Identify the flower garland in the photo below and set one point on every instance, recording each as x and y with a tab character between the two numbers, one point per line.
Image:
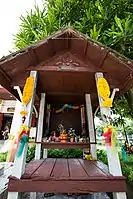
27	95
104	92
28	90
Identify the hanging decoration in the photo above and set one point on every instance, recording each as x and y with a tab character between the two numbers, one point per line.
28	90
104	92
110	136
15	144
22	139
128	148
66	107
124	154
27	95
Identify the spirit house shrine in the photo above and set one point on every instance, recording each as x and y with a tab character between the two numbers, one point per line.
65	78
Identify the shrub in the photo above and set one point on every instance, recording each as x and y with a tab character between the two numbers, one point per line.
65	153
3	157
101	154
127	167
30	153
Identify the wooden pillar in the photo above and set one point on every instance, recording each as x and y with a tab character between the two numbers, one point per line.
45	151
1	120
82	111
113	159
47	120
91	125
19	163
82	114
40	127
33	195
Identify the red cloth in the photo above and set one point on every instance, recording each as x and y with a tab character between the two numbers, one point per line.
108	135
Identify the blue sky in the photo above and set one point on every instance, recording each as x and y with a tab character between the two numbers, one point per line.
10	11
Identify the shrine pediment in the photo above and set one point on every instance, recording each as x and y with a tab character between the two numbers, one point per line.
66	62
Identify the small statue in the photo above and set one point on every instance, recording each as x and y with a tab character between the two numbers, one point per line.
60	128
53	136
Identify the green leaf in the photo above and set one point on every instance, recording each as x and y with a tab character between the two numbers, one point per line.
118	22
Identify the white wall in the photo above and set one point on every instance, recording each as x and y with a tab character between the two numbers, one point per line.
7	104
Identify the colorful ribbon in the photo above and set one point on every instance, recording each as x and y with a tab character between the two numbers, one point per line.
15	144
66	107
110	137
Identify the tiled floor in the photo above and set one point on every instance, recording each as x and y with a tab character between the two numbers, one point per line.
41	196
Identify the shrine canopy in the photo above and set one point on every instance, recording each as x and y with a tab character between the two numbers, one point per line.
66	63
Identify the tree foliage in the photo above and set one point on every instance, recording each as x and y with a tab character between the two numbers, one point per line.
108	21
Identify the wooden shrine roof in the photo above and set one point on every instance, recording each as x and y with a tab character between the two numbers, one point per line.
66	62
5	95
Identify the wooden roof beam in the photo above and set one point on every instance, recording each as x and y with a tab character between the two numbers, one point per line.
104	58
32	56
64	68
68	41
5	81
85	48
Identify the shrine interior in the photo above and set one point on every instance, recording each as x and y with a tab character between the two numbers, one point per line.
62	111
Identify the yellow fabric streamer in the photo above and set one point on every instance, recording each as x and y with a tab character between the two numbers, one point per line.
114	139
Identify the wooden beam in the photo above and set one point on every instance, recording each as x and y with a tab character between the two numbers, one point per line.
66	145
68	41
90	121
85	48
32	56
40	127
65	68
93	184
4	81
65	94
104	57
